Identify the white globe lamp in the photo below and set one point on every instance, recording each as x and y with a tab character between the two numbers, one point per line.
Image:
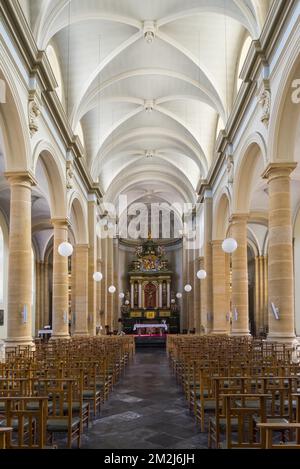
127	302
201	275
188	288
229	245
97	276
121	296
112	289
179	296
65	249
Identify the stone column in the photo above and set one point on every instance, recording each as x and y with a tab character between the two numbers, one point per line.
220	297
280	256
60	303
160	295
46	294
202	313
206	299
99	299
240	299
92	287
20	279
117	301
110	280
168	294
81	290
132	294
140	294
104	283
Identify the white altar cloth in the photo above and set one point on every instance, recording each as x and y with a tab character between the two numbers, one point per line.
150	326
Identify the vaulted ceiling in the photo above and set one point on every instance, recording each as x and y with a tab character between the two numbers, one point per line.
147	83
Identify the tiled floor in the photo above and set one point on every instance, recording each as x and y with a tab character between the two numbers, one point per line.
146	410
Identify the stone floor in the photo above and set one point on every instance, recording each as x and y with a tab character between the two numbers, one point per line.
146	410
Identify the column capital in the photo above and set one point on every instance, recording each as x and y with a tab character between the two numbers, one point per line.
282	169
239	217
61	222
21	177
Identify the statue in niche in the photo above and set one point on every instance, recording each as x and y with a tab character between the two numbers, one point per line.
230	169
264	100
34	112
70	175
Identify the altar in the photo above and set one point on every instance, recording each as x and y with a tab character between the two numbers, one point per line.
150	329
150	306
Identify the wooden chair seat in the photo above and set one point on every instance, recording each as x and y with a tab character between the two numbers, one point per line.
76	406
277	420
57	425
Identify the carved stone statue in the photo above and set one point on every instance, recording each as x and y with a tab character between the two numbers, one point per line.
34	112
70	175
230	169
264	100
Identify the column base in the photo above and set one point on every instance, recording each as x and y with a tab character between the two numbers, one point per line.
60	336
282	338
219	332
81	334
19	342
240	333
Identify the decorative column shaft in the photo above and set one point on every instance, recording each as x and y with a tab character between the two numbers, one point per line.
92	287
220	297
81	290
110	279
207	283
60	303
280	256
202	311
132	294
20	279
160	295
240	298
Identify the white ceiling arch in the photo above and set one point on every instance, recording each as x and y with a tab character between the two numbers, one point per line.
120	59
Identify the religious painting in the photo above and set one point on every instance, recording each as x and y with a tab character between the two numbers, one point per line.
150	296
1	317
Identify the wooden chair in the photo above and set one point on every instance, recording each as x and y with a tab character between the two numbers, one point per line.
5	435
268	429
28	422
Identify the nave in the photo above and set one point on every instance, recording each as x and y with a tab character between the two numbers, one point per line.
146	410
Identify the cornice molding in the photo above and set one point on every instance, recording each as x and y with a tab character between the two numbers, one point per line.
38	65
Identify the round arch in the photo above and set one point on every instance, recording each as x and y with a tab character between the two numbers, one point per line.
55	177
14	131
250	164
78	217
221	216
285	112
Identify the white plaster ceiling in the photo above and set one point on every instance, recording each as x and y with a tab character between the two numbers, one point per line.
110	72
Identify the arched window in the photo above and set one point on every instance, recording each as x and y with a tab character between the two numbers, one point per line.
52	57
244	52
